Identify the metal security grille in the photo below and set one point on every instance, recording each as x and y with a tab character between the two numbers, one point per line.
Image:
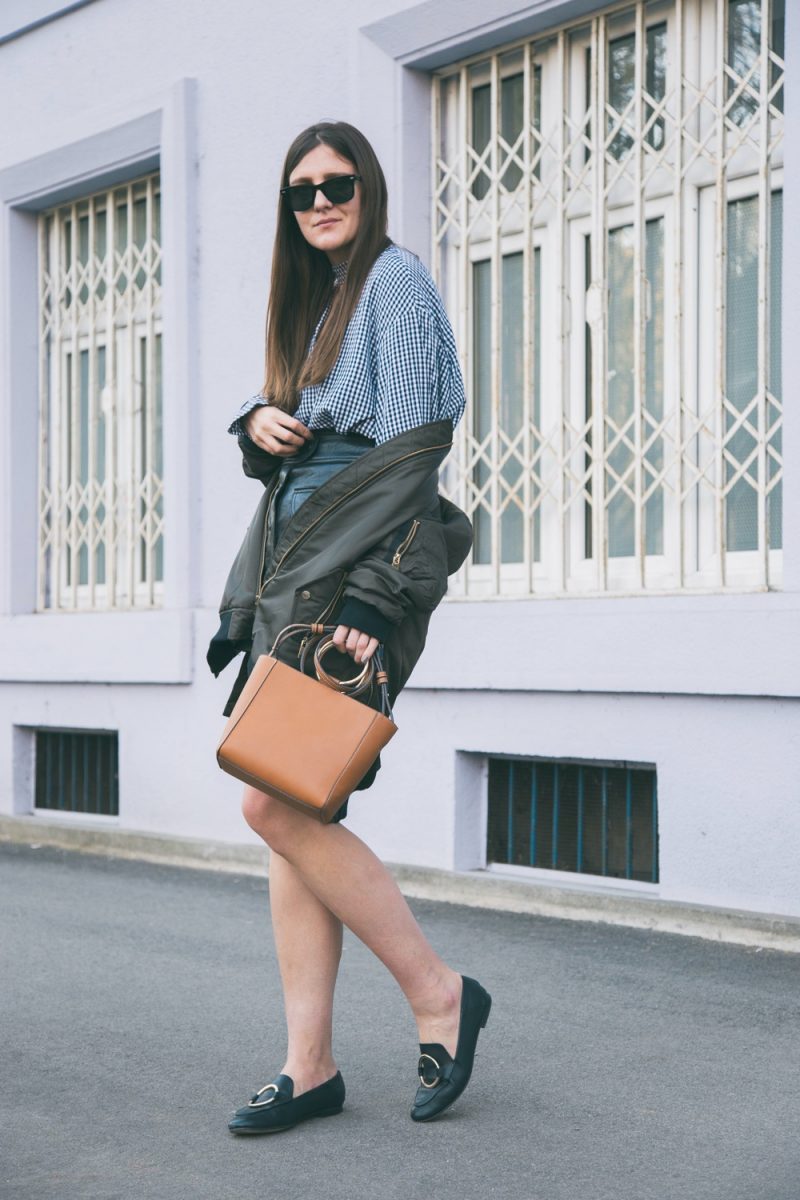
607	236
77	772
101	460
587	818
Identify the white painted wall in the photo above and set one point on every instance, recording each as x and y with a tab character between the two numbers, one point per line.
705	687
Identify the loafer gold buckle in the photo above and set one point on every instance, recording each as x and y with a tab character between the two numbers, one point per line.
256	1103
422	1078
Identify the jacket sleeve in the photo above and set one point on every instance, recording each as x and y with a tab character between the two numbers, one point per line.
258	463
407	570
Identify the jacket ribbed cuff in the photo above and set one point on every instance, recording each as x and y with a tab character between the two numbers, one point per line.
364	617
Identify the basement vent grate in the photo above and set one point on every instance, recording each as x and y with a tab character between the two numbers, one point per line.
77	771
566	816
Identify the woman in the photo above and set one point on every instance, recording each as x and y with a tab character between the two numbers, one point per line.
361	395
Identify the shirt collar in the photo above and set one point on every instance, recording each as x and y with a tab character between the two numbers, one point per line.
339	272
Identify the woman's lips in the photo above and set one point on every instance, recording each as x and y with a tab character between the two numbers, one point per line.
332	221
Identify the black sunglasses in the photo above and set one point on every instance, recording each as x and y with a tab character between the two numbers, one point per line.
300	196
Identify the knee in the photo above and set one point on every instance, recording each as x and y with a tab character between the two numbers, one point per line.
270	818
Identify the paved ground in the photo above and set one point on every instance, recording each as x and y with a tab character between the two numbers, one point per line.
141	1004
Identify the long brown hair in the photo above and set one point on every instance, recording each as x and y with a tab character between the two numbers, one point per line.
302	279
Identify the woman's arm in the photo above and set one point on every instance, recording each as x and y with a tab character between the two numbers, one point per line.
237	426
276	431
268	436
418	378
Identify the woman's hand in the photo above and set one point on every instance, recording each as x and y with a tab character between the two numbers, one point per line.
360	646
275	430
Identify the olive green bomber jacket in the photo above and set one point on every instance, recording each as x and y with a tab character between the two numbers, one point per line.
373	545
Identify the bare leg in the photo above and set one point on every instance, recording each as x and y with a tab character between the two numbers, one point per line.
308	940
354	885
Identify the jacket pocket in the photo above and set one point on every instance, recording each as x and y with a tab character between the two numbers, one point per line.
421	558
404	542
317	601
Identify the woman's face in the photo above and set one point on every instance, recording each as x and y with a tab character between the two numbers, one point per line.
328	227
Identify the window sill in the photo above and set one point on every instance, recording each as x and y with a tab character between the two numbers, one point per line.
578	881
735	645
97	647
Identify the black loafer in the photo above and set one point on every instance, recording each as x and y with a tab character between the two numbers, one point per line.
274	1109
442	1079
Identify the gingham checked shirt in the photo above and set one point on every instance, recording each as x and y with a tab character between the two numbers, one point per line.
397	367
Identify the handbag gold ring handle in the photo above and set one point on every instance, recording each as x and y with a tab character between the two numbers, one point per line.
354	686
365	679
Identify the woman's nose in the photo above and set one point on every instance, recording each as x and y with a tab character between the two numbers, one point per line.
321	200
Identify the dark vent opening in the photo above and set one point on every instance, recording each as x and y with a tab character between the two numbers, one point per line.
77	771
564	816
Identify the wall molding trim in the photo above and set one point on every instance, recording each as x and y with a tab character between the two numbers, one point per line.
434	33
23	16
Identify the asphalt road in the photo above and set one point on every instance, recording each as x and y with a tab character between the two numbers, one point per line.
141	1004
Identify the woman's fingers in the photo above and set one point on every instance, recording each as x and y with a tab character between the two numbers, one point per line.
371	647
289	428
340	637
274	446
276	431
360	646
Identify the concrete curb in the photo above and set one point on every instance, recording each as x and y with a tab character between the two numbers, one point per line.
474	889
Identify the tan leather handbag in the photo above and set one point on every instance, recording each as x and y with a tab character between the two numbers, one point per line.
305	740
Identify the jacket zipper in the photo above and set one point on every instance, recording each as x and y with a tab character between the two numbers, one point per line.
406	542
264	543
340	501
323	616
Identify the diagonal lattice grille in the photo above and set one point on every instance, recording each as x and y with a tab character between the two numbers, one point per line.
101	507
607	217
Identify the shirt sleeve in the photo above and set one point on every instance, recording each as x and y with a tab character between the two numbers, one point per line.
418	378
236	427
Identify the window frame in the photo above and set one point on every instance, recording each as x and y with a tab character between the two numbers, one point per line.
121	402
128	645
645	575
740	565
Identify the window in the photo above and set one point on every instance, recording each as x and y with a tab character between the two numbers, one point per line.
622	90
77	771
565	816
607	234
101	511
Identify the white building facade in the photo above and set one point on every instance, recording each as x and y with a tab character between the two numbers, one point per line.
609	199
